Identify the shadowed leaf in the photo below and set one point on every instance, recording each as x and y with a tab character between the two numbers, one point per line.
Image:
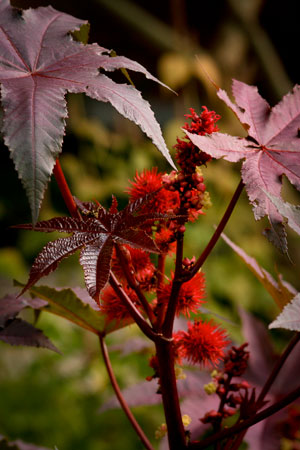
19	332
290	212
76	306
10	306
281	291
145	393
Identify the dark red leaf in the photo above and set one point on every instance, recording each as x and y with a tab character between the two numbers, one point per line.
95	260
10	306
95	235
39	64
53	253
19	332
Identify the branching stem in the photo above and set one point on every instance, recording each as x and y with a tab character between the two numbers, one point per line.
243	425
134	312
283	357
133	283
198	264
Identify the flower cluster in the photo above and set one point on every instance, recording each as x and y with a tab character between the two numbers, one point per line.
150	182
188	182
188	155
190	296
233	394
113	307
203	343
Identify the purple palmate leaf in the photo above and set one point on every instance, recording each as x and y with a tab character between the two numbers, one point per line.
94	234
10	306
271	150
39	64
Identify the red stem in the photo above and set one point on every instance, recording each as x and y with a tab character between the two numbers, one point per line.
283	357
71	205
120	397
276	369
65	191
168	387
161	307
198	264
134	312
164	352
167	327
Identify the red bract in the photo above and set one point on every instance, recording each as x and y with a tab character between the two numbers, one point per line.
190	295
203	343
148	182
113	307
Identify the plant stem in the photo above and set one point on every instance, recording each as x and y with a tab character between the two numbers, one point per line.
176	433
161	306
283	357
71	205
198	264
243	425
276	369
133	283
120	397
65	191
167	327
134	312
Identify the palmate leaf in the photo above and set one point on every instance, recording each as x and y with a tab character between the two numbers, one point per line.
281	291
20	332
272	149
39	63
290	212
10	306
15	331
76	306
95	236
289	318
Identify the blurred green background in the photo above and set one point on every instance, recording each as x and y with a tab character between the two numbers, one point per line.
51	399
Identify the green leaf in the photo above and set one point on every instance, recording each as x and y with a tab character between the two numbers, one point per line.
77	307
281	291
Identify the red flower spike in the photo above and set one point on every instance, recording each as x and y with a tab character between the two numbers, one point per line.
113	307
148	182
203	343
165	240
188	155
190	295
